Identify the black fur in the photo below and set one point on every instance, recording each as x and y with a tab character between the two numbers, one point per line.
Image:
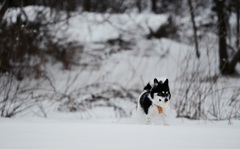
147	87
158	87
145	102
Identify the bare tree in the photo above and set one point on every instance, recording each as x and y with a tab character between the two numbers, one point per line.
20	40
202	96
194	27
226	66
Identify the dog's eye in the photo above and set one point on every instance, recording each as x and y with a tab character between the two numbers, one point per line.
160	100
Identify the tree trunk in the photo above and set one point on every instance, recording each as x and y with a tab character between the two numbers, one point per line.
87	5
222	34
194	27
154	6
226	66
237	4
139	5
233	63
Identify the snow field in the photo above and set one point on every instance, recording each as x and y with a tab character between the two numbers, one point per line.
46	134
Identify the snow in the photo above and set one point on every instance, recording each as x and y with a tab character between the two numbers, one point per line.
93	27
131	69
55	134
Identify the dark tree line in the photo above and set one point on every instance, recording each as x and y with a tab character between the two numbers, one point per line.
23	37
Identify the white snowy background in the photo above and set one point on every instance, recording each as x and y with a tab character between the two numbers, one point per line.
50	125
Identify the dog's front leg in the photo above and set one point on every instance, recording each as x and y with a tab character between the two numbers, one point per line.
165	120
151	115
148	120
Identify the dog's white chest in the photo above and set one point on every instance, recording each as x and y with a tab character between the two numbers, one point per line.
156	115
156	110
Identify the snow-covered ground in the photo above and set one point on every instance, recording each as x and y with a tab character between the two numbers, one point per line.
118	134
130	69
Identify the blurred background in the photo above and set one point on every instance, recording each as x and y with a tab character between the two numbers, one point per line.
93	57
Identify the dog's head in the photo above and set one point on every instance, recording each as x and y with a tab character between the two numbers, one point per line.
160	93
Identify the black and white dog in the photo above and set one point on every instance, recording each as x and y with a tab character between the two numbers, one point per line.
153	103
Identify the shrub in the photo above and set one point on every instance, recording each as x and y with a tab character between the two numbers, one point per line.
26	47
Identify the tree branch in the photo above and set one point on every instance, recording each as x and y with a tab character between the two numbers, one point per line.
194	27
4	8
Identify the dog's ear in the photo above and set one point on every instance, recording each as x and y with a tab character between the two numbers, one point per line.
166	82
155	82
147	87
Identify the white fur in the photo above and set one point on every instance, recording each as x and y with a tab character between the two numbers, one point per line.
161	103
153	116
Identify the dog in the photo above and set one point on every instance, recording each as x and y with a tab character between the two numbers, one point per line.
153	103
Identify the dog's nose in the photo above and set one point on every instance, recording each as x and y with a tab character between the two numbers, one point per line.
166	100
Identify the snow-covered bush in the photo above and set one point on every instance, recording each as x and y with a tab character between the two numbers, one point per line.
13	98
27	44
90	97
203	93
